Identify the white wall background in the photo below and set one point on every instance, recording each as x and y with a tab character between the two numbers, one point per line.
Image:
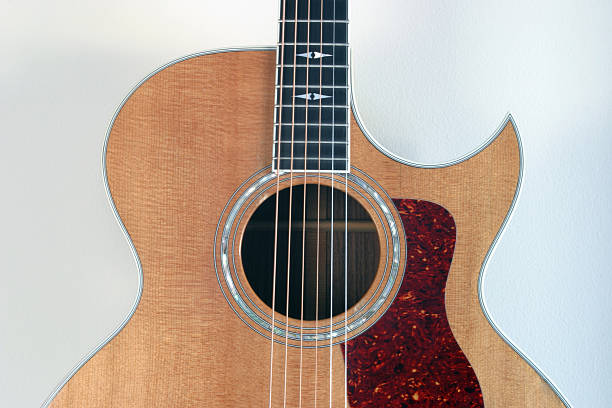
432	82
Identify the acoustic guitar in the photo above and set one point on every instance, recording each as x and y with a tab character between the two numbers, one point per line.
287	259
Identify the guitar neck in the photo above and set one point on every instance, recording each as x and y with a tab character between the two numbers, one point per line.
312	87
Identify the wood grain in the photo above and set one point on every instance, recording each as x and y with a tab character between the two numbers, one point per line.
180	146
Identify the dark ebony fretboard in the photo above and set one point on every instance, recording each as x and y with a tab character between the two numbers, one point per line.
312	87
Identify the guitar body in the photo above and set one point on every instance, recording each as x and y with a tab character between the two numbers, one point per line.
183	147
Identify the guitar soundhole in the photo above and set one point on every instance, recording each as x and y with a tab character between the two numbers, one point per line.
362	252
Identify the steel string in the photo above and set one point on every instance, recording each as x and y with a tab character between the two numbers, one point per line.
290	203
318	212
331	291
278	146
304	202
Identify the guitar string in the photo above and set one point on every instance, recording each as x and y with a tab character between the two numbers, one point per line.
346	283
295	24
318	213
331	279
304	202
346	351
277	151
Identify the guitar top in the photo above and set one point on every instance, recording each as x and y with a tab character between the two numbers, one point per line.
287	261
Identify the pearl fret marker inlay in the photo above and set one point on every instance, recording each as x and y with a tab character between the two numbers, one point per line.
313	96
313	55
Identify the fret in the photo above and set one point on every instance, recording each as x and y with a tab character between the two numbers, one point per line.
312	164
314	20
332	9
324	87
313	150
314	65
311	105
329	115
335	54
323	125
333	33
306	43
312	141
328	133
328	76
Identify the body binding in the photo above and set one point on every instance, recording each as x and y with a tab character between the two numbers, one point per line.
181	144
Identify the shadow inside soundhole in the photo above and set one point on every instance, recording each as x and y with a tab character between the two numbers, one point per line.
362	253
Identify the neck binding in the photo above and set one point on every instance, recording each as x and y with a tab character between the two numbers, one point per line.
312	87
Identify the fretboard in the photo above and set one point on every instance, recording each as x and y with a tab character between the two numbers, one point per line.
312	87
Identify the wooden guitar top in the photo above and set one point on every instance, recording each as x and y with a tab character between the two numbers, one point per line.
184	141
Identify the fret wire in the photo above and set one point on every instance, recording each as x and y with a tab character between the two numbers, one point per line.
312	169
315	45
313	68
315	86
311	141
301	158
313	124
315	21
325	43
310	66
311	107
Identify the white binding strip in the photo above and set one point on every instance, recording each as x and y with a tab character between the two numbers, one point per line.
378	146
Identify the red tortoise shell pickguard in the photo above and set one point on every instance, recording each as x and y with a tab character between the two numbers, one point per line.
409	358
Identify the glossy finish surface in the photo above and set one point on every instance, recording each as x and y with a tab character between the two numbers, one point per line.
173	141
410	355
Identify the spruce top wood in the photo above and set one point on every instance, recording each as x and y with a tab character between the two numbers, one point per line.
174	176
